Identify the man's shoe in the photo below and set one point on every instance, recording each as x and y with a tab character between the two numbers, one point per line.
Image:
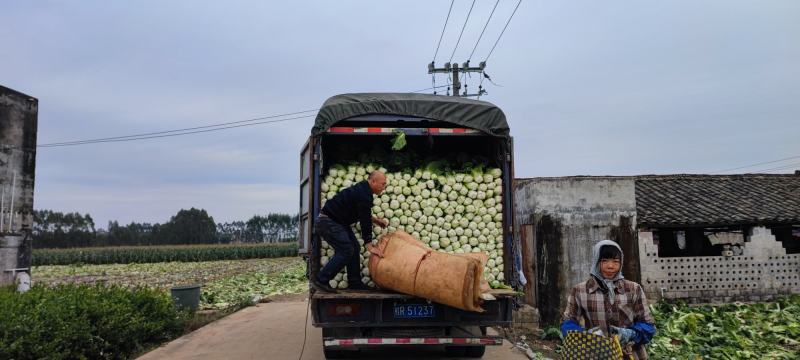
358	286
319	286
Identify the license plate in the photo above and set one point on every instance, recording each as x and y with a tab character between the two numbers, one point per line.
404	311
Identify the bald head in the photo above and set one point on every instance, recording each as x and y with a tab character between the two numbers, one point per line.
377	182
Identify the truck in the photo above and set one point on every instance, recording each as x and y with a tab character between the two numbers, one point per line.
350	125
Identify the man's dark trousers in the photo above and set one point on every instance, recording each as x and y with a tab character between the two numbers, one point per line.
346	251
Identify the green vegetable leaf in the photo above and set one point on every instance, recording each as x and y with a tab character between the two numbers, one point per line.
399	141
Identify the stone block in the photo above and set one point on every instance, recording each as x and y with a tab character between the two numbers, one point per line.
526	314
770	291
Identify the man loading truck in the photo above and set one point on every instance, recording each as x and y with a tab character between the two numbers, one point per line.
333	225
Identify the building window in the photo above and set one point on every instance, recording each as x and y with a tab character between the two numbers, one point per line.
681	242
789	236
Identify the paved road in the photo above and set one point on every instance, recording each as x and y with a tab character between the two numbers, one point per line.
274	331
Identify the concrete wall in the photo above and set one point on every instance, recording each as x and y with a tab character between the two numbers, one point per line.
763	271
569	215
18	125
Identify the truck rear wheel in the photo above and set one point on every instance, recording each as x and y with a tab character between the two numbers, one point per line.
454	351
474	351
335	354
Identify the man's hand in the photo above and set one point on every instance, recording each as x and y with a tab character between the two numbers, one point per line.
380	222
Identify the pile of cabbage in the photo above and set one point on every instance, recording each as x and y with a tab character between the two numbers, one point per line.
452	212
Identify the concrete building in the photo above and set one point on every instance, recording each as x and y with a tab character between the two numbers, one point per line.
702	238
18	123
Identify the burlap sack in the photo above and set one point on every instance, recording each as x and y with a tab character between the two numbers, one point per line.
404	264
483	258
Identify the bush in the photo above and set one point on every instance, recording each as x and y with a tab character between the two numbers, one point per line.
85	321
155	254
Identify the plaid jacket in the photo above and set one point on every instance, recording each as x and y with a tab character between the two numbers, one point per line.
588	303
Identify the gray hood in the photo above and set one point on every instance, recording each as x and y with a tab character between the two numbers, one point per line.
596	260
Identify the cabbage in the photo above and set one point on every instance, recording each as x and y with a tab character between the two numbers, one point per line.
451	211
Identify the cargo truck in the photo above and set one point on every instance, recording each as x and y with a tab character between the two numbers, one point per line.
437	126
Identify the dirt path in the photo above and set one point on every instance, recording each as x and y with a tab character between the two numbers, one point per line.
274	331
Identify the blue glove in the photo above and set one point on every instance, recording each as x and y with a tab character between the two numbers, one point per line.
569	325
625	335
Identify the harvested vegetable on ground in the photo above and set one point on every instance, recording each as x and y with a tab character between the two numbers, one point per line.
731	331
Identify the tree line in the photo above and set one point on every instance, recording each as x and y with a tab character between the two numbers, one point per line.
53	229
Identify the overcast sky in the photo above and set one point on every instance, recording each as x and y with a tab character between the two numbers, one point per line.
589	88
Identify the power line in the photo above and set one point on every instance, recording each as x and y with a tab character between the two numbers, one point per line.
504	30
197	129
430	88
462	31
484	29
121	139
756	164
782	167
142	135
443	28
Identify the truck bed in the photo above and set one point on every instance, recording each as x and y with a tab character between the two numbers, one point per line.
388	294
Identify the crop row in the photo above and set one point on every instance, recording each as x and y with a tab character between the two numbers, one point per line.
155	254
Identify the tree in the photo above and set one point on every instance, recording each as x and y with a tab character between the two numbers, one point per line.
193	226
56	229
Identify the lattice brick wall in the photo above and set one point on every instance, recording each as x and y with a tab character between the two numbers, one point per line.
762	272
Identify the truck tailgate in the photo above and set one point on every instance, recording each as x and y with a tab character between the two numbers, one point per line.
390	309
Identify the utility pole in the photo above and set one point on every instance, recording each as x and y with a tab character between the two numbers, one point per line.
456	80
455	70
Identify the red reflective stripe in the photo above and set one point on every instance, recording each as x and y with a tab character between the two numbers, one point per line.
450	131
339	129
409	341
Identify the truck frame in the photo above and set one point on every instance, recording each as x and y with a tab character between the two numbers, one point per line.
351	320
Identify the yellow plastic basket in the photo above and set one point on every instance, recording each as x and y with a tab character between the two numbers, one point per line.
584	345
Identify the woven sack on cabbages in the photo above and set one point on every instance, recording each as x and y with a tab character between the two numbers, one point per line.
584	345
404	264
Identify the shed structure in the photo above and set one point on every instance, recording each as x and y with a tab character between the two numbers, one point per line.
701	238
18	125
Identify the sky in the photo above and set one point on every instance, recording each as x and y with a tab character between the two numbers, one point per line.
588	87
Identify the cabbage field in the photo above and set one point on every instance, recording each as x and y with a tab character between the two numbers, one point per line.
452	211
225	283
729	331
161	253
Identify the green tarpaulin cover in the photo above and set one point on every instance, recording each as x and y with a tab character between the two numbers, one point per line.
475	114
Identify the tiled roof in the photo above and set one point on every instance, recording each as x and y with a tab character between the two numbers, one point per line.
704	200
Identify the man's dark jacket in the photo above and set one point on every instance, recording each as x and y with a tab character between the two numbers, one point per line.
351	205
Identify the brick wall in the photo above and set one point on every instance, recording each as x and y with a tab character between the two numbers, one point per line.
763	271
